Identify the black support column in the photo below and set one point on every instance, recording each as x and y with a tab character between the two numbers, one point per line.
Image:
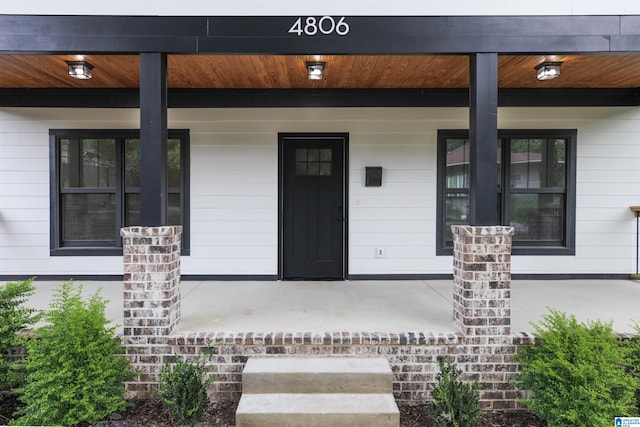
153	139
483	138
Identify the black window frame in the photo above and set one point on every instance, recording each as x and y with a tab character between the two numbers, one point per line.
101	248
567	245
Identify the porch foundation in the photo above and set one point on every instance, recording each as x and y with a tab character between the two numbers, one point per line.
151	257
480	342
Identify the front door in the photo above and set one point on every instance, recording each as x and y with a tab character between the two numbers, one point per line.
312	214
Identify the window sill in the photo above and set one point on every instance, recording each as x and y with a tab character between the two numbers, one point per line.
525	250
94	251
86	251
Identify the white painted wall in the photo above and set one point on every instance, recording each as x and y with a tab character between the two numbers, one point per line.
234	186
326	7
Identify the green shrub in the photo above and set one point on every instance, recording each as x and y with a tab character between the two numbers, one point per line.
576	373
632	346
455	403
15	319
183	388
75	370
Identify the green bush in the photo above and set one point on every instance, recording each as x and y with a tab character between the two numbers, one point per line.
75	370
576	373
632	346
15	319
455	403
183	388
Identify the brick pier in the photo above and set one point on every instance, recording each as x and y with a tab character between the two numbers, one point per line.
151	257
482	309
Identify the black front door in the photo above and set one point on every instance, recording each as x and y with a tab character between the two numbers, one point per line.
312	206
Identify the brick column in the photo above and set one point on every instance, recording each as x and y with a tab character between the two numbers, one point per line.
151	257
482	281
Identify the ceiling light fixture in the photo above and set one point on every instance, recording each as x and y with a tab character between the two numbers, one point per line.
315	70
80	69
548	70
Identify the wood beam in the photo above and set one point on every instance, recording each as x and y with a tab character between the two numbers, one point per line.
483	138
153	139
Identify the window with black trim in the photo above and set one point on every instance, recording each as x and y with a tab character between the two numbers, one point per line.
535	186
95	188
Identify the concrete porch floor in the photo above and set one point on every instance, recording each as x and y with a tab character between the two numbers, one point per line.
367	306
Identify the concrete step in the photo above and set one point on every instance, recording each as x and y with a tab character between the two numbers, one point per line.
317	410
317	375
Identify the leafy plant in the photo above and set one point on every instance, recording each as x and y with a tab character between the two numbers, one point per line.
183	388
75	370
455	403
576	373
16	319
632	347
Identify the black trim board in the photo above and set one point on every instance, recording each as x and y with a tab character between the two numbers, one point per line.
316	98
230	277
366	35
273	278
357	277
575	276
62	277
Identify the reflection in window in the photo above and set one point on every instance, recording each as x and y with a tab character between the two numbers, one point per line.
132	181
456	205
532	188
88	217
98	185
537	217
314	161
88	163
537	201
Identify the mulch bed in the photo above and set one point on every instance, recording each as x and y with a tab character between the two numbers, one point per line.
151	413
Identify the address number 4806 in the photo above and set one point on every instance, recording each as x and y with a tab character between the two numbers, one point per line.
311	26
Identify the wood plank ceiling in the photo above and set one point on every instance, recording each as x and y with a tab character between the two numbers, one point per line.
282	71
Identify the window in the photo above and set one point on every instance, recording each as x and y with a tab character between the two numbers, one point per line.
95	188
536	188
313	161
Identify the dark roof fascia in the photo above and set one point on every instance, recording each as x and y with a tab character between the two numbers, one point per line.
367	35
274	98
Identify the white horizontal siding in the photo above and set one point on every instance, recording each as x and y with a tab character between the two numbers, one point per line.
234	187
327	7
24	188
24	176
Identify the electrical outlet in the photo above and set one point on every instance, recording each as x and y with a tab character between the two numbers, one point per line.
379	252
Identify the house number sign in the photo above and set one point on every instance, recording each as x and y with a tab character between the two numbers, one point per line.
311	26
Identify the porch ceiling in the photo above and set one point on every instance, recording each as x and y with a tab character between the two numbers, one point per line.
288	71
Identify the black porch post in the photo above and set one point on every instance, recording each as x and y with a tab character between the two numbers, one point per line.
483	138
153	139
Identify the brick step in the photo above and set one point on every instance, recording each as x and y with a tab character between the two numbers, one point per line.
317	375
317	410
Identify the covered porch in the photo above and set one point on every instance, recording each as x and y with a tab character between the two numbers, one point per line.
366	306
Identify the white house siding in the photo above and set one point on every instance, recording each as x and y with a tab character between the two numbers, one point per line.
234	190
24	188
327	7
